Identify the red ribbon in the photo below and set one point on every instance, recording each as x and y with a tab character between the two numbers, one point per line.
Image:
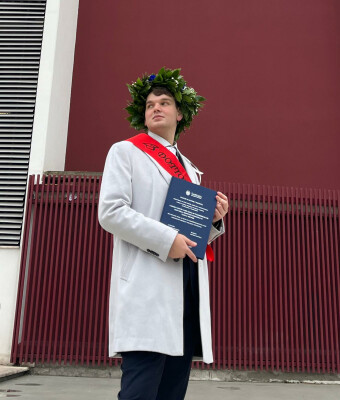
168	161
209	252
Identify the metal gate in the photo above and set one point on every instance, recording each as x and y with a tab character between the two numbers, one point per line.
274	284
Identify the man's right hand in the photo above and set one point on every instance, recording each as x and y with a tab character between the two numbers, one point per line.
180	248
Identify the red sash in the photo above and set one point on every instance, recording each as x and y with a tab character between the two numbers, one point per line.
168	161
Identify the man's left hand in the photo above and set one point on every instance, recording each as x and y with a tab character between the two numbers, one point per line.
222	206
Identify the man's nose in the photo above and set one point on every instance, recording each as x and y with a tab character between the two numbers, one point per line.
157	107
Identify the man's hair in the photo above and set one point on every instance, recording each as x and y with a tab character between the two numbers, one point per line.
159	90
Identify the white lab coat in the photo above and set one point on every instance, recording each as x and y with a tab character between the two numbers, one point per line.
146	295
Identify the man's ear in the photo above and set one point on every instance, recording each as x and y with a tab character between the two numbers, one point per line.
179	115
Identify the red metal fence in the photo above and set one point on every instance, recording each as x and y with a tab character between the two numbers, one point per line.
275	284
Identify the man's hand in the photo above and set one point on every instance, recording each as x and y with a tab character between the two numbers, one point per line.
180	248
222	206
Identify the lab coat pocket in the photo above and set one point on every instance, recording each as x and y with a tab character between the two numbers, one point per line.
128	261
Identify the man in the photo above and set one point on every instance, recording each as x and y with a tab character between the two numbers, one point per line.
159	298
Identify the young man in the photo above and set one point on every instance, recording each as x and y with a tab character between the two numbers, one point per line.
159	298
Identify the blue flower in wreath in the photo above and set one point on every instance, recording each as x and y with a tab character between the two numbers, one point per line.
152	77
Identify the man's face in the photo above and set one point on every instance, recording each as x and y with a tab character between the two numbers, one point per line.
161	114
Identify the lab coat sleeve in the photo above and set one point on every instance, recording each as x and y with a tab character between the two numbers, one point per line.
115	213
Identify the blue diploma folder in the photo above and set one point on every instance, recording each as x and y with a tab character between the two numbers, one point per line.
190	208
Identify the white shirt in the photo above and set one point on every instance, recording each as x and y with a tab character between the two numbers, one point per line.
173	148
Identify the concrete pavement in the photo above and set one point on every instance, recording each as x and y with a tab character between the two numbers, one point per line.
9	372
29	387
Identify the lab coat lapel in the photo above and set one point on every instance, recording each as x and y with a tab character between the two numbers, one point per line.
190	170
166	176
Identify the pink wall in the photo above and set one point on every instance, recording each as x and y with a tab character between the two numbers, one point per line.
269	70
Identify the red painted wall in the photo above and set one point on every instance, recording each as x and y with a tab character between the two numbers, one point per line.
269	70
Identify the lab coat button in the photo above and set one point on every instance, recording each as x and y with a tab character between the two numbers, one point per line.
152	252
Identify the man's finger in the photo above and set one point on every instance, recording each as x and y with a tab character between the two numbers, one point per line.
224	207
222	203
191	255
189	242
223	196
218	214
220	200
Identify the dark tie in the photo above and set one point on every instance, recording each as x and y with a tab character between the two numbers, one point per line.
180	159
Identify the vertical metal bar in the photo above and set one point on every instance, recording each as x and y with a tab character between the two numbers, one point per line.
76	242
55	304
85	277
229	277
37	274
300	235
290	291
100	289
285	276
299	294
311	275
255	266
250	198
41	271
305	274
31	279
69	237
25	243
49	322
94	219
270	203
244	277
264	238
225	285
336	274
314	277
234	234
222	249
327	274
87	333
324	213
238	297
322	285
275	279
319	288
329	270
334	262
61	269
47	276
85	209
280	275
295	277
259	273
219	299
76	327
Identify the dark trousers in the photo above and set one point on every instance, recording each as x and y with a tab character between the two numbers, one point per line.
156	376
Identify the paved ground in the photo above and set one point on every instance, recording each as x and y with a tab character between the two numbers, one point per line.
7	371
67	388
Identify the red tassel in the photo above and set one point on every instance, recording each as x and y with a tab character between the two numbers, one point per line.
209	252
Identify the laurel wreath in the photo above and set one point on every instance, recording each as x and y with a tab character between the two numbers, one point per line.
187	100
